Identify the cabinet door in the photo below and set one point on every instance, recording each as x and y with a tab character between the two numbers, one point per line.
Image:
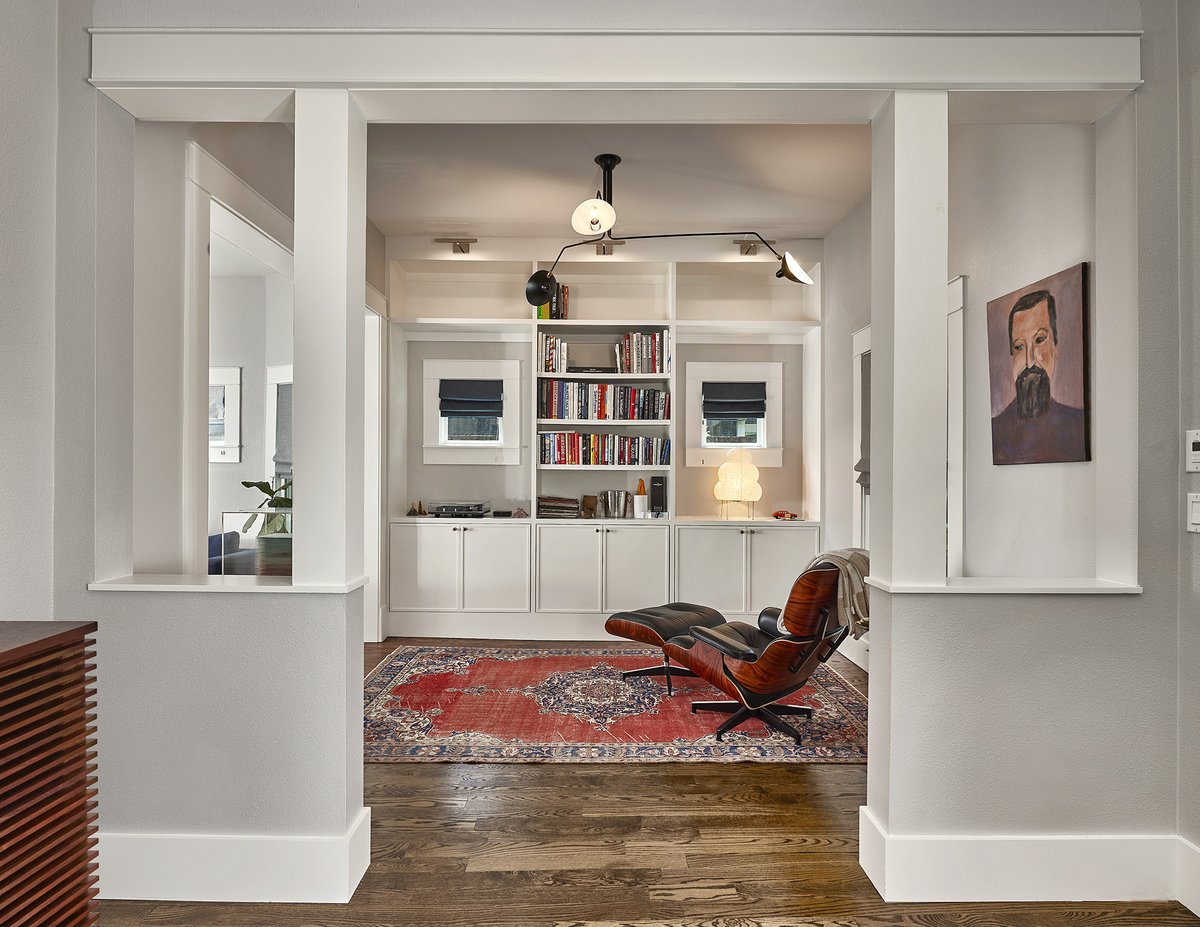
496	568
425	567
636	563
777	557
568	568
710	566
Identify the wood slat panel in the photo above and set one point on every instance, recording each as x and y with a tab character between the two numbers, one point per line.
48	817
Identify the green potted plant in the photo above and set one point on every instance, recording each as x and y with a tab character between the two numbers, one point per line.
275	533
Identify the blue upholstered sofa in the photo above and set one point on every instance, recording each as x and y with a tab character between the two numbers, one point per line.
239	561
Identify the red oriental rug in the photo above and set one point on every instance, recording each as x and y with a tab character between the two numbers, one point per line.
496	705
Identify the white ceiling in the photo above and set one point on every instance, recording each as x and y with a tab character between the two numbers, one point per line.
523	181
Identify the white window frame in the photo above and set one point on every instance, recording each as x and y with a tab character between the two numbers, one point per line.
277	375
760	437
771	373
436	450
229	449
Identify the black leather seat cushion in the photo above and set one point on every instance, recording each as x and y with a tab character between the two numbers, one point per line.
659	624
736	639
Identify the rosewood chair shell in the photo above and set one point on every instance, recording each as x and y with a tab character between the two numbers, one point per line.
760	666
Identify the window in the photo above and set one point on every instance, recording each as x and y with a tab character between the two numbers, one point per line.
738	404
471	411
734	414
466	420
473	429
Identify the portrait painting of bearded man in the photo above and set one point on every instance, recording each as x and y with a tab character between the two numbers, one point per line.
1037	355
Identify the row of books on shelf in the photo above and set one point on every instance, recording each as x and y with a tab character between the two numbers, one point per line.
607	503
601	401
572	448
633	352
644	352
559	305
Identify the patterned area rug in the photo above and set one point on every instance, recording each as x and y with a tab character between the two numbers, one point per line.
496	705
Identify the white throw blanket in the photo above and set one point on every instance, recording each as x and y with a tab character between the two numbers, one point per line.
854	564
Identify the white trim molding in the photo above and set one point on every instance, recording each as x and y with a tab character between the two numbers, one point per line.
771	373
1015	867
508	451
238	868
1187	875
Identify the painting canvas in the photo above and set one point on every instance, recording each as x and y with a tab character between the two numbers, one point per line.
1037	355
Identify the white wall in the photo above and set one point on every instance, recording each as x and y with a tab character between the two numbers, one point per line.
27	151
201	727
504	487
1189	301
1022	207
847	281
1054	715
782	487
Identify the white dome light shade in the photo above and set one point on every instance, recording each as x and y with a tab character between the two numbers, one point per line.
789	267
593	217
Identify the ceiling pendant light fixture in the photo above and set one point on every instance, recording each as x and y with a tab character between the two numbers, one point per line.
790	268
597	217
593	217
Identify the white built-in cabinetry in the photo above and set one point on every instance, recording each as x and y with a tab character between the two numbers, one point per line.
603	568
547	578
741	568
438	566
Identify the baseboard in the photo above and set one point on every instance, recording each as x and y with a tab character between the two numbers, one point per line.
1116	867
1187	875
857	651
529	626
213	867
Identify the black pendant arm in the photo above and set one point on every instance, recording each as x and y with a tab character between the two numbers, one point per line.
613	235
574	244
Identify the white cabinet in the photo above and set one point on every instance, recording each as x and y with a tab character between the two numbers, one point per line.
442	566
495	568
568	568
710	566
776	557
636	567
426	568
603	568
741	569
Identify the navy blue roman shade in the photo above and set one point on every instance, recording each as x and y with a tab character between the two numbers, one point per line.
471	398
734	400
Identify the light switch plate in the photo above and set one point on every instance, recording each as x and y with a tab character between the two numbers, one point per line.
1191	451
1193	512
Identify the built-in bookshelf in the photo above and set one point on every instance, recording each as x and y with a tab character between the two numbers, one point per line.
606	372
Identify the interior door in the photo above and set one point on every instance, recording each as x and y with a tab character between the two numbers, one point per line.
426	567
777	557
710	566
636	567
496	567
568	568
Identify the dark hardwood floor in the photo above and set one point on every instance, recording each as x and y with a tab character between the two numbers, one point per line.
685	845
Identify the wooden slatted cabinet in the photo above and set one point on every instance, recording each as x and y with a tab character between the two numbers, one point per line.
47	775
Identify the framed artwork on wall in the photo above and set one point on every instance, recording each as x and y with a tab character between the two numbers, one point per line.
224	414
1037	357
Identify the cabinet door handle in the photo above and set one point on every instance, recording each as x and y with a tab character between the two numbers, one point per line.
468	529
597	530
608	530
453	529
741	531
751	530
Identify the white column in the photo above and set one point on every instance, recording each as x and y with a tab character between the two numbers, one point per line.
909	236
330	248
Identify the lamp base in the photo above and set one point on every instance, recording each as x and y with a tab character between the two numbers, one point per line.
728	512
